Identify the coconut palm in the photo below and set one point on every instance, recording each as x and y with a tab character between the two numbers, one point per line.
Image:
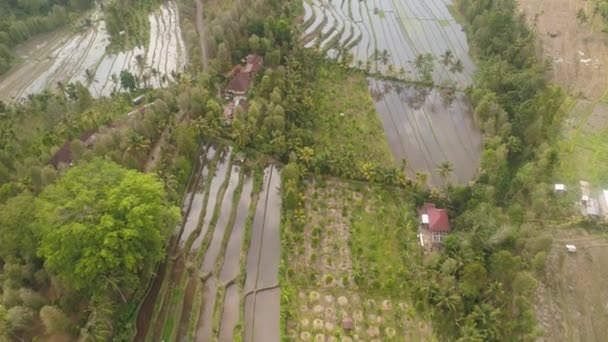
421	178
384	57
457	67
447	57
445	170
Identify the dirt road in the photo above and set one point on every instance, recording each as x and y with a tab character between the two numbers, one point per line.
201	29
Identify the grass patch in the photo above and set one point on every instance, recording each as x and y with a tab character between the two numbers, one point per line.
444	23
356	136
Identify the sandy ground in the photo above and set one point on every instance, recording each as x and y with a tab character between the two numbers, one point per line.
579	55
571	301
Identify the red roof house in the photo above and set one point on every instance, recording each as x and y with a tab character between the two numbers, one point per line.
435	223
64	154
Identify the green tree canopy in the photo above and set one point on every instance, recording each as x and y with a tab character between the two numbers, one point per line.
101	225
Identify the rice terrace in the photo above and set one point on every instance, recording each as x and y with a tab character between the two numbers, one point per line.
303	170
409	40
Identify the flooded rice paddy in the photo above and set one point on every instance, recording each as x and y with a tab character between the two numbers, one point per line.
425	130
70	57
386	37
404	28
198	294
262	295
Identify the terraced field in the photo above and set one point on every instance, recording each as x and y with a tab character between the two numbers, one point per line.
68	57
198	293
403	28
388	37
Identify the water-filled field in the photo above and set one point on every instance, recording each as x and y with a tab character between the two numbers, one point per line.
224	266
402	28
69	57
389	37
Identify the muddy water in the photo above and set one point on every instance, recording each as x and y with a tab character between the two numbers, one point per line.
216	183
230	313
405	28
222	223
248	318
198	196
230	269
257	230
205	318
266	325
271	243
425	130
262	303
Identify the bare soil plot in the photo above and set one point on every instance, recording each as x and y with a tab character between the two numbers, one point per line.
425	130
579	54
571	301
68	57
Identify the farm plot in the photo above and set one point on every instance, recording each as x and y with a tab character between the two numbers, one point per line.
66	57
201	296
261	289
405	29
344	265
425	130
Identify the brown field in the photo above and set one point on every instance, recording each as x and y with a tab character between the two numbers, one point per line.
577	51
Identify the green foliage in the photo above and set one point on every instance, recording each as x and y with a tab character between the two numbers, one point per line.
18	241
19	318
54	319
103	227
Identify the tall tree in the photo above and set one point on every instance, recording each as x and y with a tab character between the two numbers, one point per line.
103	227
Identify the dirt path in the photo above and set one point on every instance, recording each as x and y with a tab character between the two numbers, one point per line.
201	29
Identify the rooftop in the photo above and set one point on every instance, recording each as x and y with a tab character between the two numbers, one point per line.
438	219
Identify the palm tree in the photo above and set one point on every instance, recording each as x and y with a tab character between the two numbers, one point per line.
421	178
306	154
457	67
447	57
445	170
141	63
90	79
385	56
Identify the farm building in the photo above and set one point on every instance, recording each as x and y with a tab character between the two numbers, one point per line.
239	84
434	225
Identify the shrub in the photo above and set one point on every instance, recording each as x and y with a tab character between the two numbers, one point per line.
54	319
19	317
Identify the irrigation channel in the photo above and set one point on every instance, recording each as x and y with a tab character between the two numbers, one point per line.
67	57
421	126
198	294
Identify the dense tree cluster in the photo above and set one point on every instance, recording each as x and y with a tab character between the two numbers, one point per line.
19	20
481	288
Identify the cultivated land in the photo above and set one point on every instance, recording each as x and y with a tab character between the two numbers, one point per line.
350	260
422	127
67	57
570	302
404	28
204	289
